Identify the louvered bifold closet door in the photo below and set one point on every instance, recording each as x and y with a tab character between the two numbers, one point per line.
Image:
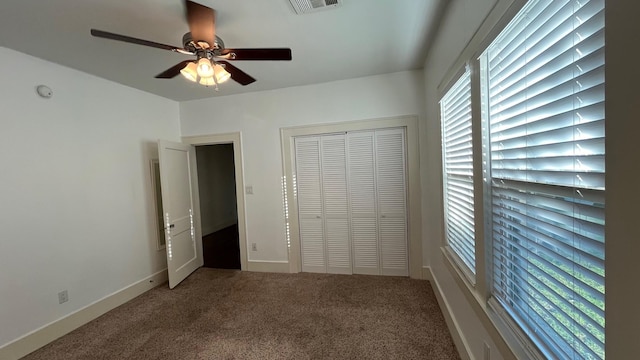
336	210
309	190
362	200
392	201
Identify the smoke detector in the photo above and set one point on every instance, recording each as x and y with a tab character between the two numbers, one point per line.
308	6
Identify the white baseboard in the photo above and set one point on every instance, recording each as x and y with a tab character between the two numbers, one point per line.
48	333
426	273
269	266
458	338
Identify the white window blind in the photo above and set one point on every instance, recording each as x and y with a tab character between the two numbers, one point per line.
543	110
455	113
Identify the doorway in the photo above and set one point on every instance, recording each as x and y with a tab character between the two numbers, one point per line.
218	206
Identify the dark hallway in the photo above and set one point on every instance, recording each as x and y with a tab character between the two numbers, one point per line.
221	249
218	208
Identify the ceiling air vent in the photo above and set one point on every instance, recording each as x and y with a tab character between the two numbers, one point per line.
307	6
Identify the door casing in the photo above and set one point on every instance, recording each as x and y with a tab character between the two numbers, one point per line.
234	138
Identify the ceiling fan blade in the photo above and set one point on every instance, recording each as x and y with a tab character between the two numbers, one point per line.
238	75
132	40
258	54
174	70
202	22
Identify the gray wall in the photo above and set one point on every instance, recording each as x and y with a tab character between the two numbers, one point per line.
217	186
77	210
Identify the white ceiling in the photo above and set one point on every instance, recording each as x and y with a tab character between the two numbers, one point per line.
360	38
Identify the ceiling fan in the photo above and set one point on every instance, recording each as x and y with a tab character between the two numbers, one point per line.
211	66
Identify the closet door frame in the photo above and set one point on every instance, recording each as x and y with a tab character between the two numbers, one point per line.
414	209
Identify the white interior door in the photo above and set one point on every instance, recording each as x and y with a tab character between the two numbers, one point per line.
392	201
335	204
177	175
310	204
362	196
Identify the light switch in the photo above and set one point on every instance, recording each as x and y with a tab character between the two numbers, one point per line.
248	190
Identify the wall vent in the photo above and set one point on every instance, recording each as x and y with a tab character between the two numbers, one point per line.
307	6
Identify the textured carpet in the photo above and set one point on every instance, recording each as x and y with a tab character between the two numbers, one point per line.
226	314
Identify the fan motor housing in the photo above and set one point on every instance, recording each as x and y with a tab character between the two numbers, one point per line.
194	45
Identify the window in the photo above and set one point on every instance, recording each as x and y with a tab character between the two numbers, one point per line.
542	82
455	108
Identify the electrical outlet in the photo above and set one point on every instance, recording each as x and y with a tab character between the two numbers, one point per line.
248	189
254	247
487	352
63	296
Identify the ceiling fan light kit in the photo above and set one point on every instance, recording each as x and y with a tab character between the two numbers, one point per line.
205	69
220	74
214	75
190	72
210	67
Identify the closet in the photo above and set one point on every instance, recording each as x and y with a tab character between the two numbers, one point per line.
351	192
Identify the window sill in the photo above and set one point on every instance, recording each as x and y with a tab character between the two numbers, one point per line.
508	342
466	275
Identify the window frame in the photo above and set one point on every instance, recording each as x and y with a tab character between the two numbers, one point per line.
505	333
468	274
543	346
